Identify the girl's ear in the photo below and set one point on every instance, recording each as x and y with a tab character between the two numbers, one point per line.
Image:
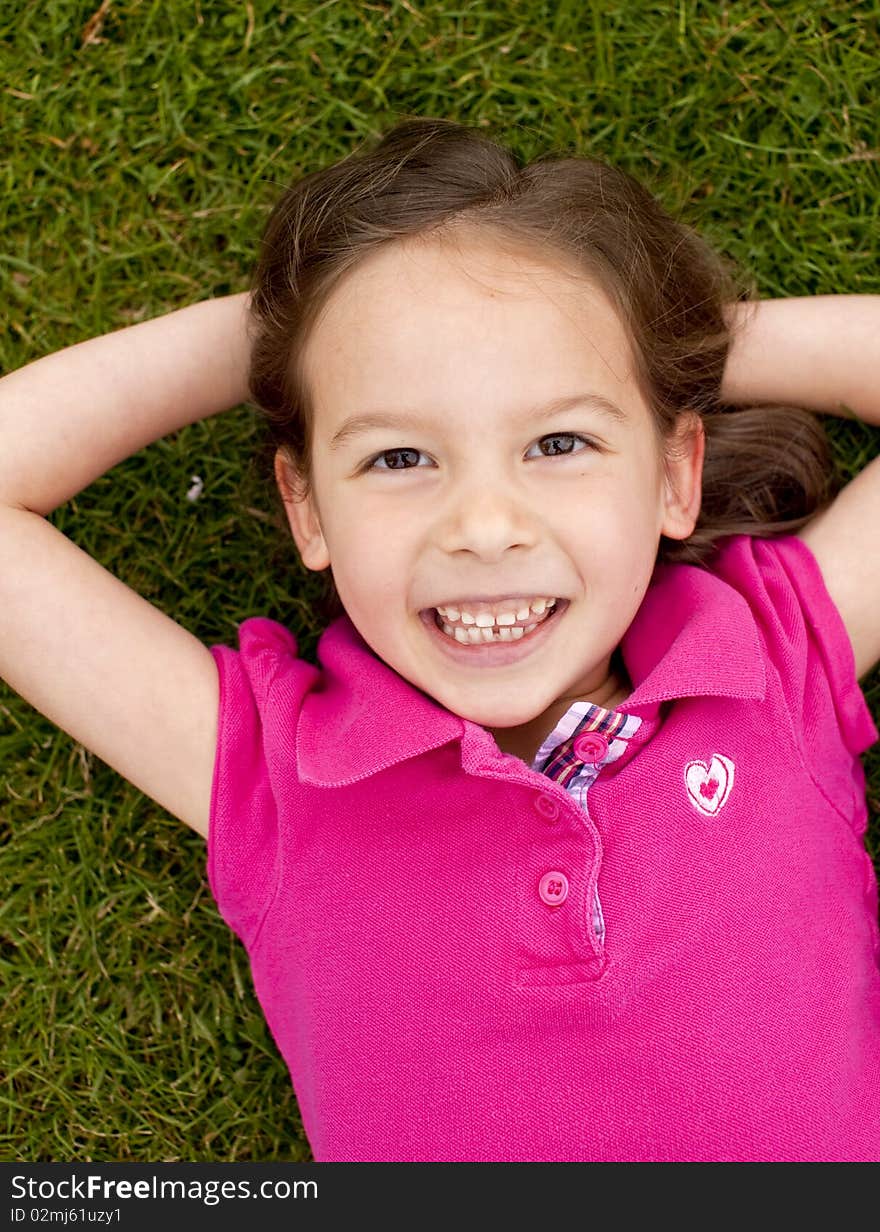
683	486
303	515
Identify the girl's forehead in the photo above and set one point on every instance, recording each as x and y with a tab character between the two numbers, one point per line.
439	296
463	262
468	324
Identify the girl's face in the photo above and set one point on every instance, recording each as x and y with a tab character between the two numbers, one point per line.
470	485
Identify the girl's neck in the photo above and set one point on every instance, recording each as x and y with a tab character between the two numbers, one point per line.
525	740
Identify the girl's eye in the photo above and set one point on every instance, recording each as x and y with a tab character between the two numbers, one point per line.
557	449
398	456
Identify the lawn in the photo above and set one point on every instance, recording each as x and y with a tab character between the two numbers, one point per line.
143	143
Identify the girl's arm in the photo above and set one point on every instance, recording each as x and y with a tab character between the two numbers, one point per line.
85	650
821	352
824	354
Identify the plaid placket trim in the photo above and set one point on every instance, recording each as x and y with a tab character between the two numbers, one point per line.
557	759
563	764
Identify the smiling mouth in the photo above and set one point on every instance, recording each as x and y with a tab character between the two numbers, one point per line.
474	635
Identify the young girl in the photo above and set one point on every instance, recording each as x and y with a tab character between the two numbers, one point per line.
557	853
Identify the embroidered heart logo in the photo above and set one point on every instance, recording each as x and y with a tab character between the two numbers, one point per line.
709	786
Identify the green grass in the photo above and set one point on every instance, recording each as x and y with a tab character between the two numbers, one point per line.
137	171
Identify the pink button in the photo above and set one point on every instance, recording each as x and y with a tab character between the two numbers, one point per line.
591	747
553	889
547	807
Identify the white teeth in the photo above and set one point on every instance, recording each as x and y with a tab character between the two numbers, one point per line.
475	636
487	627
486	620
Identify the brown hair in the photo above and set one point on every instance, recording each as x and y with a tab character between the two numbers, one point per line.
767	469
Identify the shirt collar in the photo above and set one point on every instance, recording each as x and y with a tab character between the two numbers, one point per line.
694	635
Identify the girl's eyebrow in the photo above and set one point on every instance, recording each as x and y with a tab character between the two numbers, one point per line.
356	425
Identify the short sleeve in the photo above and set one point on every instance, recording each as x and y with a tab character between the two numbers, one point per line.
808	646
243	831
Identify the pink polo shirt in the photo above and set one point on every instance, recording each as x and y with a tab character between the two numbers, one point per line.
657	942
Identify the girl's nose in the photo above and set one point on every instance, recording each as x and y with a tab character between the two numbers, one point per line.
487	519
